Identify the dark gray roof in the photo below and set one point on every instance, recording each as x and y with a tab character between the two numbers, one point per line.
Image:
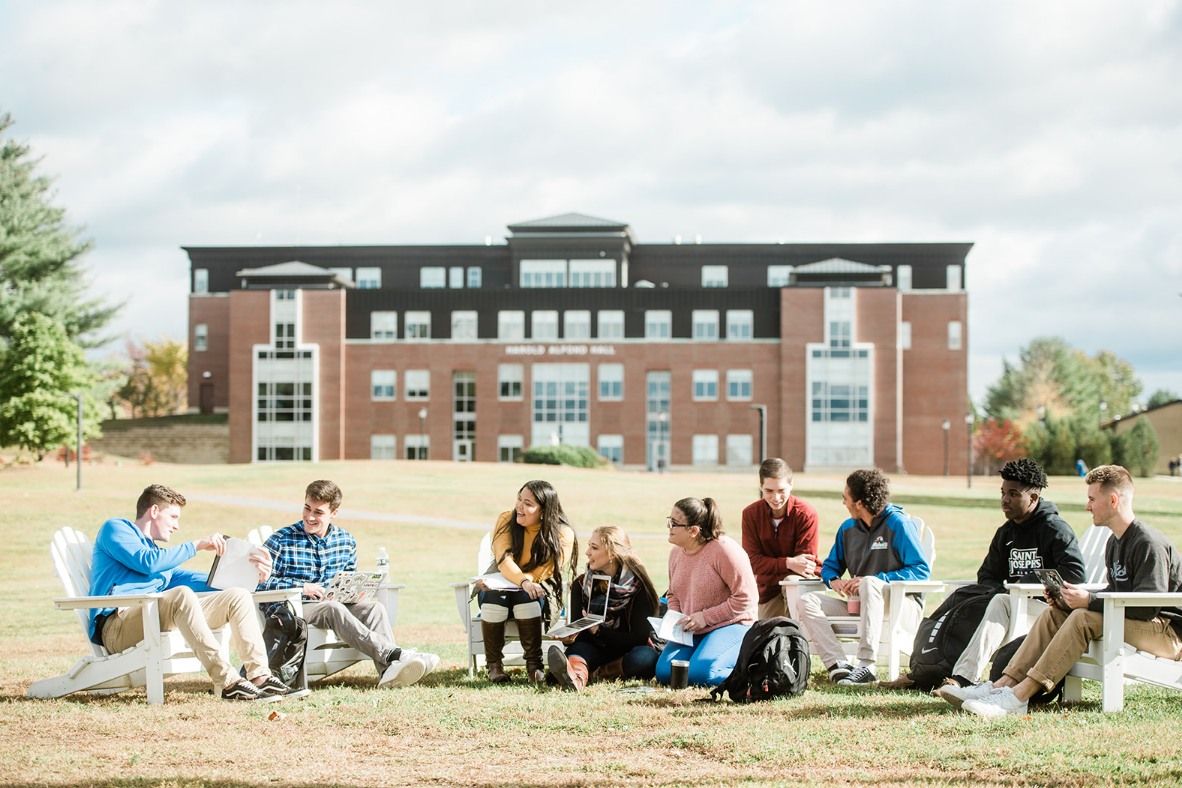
568	222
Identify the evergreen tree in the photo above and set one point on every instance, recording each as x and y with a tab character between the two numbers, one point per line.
1136	448
1161	397
39	376
39	252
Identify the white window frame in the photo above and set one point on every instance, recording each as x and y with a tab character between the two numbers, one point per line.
512	375
658	324
417	324
383	325
592	273
955	335
904	335
432	277
342	271
613	321
543	324
542	273
740	450
383	447
511	324
513	444
740	325
475	276
952	276
383	385
613	444
418	447
576	324
200	281
903	275
736	381
715	276
455	277
200	337
779	275
705	325
369	278
611	378
464	324
416	385
705	385
705	450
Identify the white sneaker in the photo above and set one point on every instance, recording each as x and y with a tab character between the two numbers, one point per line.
404	671
957	695
996	705
430	660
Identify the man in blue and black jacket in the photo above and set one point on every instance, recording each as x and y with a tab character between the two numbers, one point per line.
877	545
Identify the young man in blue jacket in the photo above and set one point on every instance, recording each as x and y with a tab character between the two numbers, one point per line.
877	545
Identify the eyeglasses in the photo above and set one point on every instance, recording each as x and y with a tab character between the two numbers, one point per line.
670	523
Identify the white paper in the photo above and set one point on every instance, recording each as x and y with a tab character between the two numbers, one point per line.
495	581
233	568
669	628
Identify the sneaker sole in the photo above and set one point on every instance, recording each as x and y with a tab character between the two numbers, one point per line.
414	670
558	668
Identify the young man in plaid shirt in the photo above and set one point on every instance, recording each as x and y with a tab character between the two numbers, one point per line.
309	554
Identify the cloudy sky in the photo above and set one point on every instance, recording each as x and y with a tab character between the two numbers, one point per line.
1049	134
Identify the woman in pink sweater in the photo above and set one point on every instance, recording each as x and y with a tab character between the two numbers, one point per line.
711	584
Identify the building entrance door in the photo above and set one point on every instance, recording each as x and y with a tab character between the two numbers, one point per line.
462	450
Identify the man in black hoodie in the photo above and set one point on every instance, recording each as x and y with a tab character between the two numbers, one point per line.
1033	536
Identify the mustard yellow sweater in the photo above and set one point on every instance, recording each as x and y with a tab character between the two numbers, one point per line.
510	567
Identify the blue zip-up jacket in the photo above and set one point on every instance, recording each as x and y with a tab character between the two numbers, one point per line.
887	549
126	561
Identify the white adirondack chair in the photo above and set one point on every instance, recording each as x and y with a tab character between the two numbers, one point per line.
146	664
326	653
1092	545
469	613
896	640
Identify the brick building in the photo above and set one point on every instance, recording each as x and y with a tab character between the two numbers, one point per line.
572	332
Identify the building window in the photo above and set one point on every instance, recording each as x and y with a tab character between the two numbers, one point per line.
779	275
738	450
738	384
455	277
285	294
509	381
714	276
903	273
418	447
284	336
576	324
474	276
463	325
954	339
611	381
510	324
705	450
383	383
952	273
544	324
543	273
382	447
740	324
612	447
839	333
369	278
343	273
843	293
383	325
705	384
416	384
904	335
509	448
839	402
418	325
592	273
658	324
200	337
200	280
432	277
560	404
611	324
705	323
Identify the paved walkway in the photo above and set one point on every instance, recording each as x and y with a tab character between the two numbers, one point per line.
291	512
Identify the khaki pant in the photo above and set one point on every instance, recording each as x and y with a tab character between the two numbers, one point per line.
990	635
1058	639
776	606
196	618
819	605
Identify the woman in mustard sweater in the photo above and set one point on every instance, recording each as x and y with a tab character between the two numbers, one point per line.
531	544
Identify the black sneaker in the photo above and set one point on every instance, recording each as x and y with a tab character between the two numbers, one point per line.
272	687
840	671
859	677
242	690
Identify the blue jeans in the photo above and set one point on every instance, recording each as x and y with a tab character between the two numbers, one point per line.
711	658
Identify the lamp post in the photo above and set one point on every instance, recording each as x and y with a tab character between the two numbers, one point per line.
762	430
1103	410
968	450
947	427
422	433
78	450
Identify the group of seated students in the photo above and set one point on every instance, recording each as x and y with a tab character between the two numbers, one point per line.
719	586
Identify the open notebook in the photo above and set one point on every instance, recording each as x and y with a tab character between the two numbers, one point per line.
591	617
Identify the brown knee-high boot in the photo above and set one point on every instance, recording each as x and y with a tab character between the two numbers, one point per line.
529	630
494	647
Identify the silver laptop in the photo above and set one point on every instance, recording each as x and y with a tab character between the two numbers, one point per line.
351	587
587	621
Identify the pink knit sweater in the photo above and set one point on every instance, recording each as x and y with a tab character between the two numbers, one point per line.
716	581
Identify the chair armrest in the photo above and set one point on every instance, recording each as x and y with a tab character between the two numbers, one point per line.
810	584
917	586
277	594
121	600
465	584
391	586
1139	599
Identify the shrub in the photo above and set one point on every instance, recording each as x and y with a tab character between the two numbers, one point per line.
577	456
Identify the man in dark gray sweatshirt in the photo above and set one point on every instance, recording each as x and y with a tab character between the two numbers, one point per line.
1138	558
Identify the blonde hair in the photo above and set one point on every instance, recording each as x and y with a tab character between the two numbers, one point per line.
619	549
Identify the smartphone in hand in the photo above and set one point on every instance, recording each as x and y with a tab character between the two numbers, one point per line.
1052	582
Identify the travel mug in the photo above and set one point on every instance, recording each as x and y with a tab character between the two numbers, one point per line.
679	674
853	605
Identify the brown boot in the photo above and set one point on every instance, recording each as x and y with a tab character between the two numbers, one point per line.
570	672
611	671
529	631
494	647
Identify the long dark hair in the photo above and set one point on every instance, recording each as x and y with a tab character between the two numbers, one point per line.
702	512
547	545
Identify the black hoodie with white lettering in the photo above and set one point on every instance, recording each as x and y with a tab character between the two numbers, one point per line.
1043	540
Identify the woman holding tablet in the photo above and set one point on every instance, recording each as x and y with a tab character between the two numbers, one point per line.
617	587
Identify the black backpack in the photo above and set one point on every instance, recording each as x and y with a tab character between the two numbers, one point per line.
942	636
1002	657
773	661
285	636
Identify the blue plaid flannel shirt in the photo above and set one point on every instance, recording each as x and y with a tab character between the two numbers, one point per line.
302	558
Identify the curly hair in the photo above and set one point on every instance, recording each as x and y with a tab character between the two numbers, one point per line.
1025	472
871	487
1111	477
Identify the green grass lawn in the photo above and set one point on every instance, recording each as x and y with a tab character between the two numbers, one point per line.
451	729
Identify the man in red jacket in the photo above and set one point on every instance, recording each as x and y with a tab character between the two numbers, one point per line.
779	535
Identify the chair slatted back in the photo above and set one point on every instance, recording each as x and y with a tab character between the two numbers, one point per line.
258	535
484	556
71	553
927	540
1092	545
